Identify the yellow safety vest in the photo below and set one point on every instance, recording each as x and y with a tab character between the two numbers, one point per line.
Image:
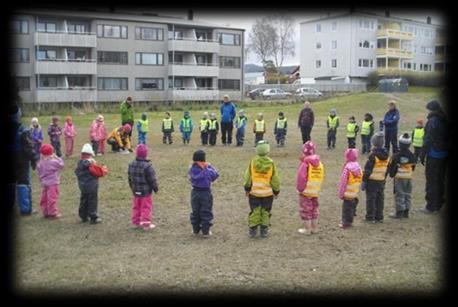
352	188
332	121
404	171
281	123
212	124
167	123
366	127
260	125
379	171
351	127
260	186
186	124
240	121
418	134
203	124
315	175
143	125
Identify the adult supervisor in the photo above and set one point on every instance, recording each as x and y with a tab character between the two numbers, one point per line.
306	121
228	111
127	114
390	122
435	152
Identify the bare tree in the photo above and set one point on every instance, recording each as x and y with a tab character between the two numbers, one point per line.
282	42
260	39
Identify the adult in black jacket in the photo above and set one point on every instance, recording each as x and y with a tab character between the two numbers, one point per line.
306	121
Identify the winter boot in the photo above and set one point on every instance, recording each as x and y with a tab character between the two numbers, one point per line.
406	214
264	232
252	232
397	215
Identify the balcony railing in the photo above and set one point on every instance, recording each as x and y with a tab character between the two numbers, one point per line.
193	64
391	33
194	45
207	40
194	93
194	70
66	94
66	32
394	52
68	39
64	67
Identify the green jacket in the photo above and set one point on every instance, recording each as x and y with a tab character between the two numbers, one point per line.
127	112
262	164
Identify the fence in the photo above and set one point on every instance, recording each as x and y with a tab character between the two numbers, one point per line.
326	89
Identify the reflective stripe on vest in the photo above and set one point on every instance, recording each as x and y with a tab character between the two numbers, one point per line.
259	125
379	171
261	182
351	127
240	121
418	134
212	124
315	175
203	124
143	125
281	123
352	188
167	123
332	121
404	171
186	124
366	128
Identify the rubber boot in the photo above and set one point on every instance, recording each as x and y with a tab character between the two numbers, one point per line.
398	215
24	199
252	232
314	226
264	231
406	214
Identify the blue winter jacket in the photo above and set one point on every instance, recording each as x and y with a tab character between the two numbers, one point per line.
201	178
391	120
228	111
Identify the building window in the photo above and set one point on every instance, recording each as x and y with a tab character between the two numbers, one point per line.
334	63
318	27
366	44
229	62
318	45
152	34
178	35
366	24
318	64
45	26
149	84
46	54
78	81
203	36
365	63
425	67
19	55
77	28
19	27
178	58
204	83
77	54
112	57
142	58
227	84
179	82
109	31
229	39
333	44
112	84
47	81
407	65
23	83
334	26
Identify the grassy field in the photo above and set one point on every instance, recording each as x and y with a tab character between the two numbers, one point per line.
67	257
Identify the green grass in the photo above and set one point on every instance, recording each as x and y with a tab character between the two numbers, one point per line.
65	256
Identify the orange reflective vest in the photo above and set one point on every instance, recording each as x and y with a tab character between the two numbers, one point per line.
260	186
404	171
352	188
379	171
315	175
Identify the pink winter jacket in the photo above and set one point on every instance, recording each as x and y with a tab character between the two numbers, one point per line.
351	165
98	131
302	171
69	130
48	171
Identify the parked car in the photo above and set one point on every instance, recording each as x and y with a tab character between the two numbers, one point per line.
307	92
275	93
253	94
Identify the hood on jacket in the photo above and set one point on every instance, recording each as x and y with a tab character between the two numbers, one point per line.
308	148
354	168
262	163
351	155
314	160
380	153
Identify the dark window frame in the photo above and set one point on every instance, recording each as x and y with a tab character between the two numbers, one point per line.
226	87
141	58
100	81
99	61
237	39
18	83
27	56
139	34
138	81
102	33
21	21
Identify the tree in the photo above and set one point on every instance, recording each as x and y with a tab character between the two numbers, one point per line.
260	39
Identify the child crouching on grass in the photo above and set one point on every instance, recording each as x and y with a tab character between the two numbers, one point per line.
48	169
142	182
201	174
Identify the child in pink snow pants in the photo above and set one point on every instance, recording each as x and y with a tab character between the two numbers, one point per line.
69	136
48	169
98	135
142	181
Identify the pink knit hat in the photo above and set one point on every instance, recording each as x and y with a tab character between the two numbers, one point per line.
351	154
141	151
308	148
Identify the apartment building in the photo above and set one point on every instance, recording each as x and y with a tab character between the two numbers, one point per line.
351	45
93	56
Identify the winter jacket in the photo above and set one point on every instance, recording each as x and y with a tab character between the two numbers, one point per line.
243	125
262	164
403	156
302	171
172	129
127	112
201	175
69	130
306	118
24	151
285	129
48	171
121	138
142	177
436	141
391	120
228	111
88	172
54	132
98	131
191	125
351	166
381	154
37	135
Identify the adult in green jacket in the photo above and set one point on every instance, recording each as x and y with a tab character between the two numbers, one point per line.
127	113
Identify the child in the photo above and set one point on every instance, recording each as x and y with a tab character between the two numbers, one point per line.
259	128
213	128
367	130
349	185
88	173
98	135
374	179
142	182
310	176
280	129
36	132
119	139
167	129
54	132
204	128
48	169
352	131
417	139
332	123
142	127
262	185
240	125
401	167
186	127
69	136
201	174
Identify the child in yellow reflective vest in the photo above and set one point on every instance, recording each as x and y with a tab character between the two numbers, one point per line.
280	129
167	129
352	131
309	178
259	128
417	139
367	130
213	127
203	127
186	126
349	185
142	127
240	125
332	123
262	185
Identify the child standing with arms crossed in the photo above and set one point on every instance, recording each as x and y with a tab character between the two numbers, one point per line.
36	132
167	129
203	125
332	123
280	129
259	128
213	128
54	132
69	136
367	130
352	131
98	135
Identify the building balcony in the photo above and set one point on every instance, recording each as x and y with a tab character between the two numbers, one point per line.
65	94
194	70
193	93
66	67
391	33
194	45
441	40
394	53
66	39
390	70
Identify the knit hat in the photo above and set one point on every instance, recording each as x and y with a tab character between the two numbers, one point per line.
262	148
87	148
420	121
199	156
100	118
242	112
55	118
143	116
378	139
405	139
34	120
309	148
186	113
212	115
141	151
129	99
433	105
127	128
333	112
352	117
46	149
205	115
281	114
351	154
369	115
